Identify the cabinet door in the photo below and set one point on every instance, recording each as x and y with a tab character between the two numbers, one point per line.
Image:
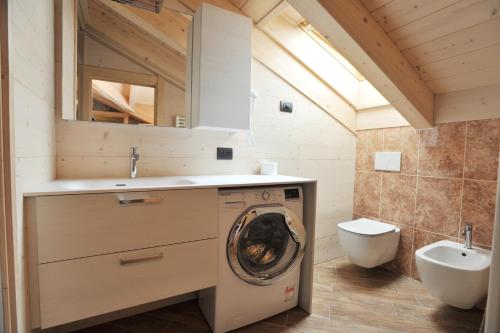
76	289
76	226
220	56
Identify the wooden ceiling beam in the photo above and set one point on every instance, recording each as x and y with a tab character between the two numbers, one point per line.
166	26
273	13
109	27
357	36
259	9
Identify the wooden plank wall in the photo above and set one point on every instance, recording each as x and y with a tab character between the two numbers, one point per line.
170	97
469	104
86	150
32	108
453	44
8	318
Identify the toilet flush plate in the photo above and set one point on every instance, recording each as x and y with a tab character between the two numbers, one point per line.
388	161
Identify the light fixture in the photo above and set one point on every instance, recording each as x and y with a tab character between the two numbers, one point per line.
150	5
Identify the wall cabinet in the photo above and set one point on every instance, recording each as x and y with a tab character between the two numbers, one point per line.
219	68
91	254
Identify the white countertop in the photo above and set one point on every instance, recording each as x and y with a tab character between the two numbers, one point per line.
82	186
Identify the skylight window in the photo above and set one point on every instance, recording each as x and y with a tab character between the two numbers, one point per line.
326	45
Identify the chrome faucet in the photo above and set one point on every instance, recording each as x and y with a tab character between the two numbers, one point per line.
467	232
134	157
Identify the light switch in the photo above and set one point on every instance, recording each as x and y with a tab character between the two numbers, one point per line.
388	161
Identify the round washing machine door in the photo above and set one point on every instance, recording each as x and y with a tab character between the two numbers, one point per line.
266	243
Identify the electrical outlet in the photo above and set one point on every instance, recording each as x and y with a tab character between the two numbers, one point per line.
224	153
286	106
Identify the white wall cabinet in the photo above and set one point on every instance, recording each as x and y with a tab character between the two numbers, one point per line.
219	68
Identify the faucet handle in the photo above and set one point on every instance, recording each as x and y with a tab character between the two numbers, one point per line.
133	152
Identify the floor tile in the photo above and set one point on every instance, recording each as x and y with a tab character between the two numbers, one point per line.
348	299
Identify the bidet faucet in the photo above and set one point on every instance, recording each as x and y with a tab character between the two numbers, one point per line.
467	232
134	157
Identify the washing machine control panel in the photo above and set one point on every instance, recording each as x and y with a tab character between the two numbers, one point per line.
270	195
265	195
292	193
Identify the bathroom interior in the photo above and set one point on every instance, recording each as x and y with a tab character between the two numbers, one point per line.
249	166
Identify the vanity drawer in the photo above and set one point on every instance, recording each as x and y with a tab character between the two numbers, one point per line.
76	226
81	288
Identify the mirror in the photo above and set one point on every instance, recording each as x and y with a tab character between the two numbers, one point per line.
121	63
121	102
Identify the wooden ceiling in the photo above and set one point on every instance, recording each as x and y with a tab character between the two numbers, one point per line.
450	45
453	44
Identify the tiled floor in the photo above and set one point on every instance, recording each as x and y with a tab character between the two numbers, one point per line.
346	299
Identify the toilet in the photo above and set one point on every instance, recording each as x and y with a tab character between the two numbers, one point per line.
368	243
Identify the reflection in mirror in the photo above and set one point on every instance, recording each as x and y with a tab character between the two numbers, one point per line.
121	63
122	103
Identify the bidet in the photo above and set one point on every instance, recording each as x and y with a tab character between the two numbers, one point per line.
456	275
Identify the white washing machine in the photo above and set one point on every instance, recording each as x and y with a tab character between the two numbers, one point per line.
261	244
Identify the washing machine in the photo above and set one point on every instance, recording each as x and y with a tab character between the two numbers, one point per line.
261	244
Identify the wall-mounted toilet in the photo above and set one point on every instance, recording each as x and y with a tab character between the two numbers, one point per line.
368	243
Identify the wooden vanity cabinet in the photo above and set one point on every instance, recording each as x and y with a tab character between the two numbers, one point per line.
91	254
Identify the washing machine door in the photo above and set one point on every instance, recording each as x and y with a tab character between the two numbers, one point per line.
265	244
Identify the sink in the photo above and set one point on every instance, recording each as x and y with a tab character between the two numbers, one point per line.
125	183
454	274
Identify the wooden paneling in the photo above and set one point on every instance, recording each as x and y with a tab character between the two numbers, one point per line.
101	73
461	15
7	259
284	65
98	54
32	107
470	104
258	9
170	102
457	43
477	60
238	3
139	45
381	117
65	58
363	42
167	26
87	150
454	45
398	13
372	5
475	79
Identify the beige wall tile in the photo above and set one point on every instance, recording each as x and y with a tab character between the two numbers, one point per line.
457	171
404	140
368	142
404	256
438	205
398	198
482	146
367	194
441	152
478	208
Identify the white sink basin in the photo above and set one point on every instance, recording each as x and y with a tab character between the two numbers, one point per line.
455	275
125	183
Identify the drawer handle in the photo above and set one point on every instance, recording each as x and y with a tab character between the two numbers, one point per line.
142	200
124	262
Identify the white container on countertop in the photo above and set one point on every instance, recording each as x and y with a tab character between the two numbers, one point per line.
268	168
